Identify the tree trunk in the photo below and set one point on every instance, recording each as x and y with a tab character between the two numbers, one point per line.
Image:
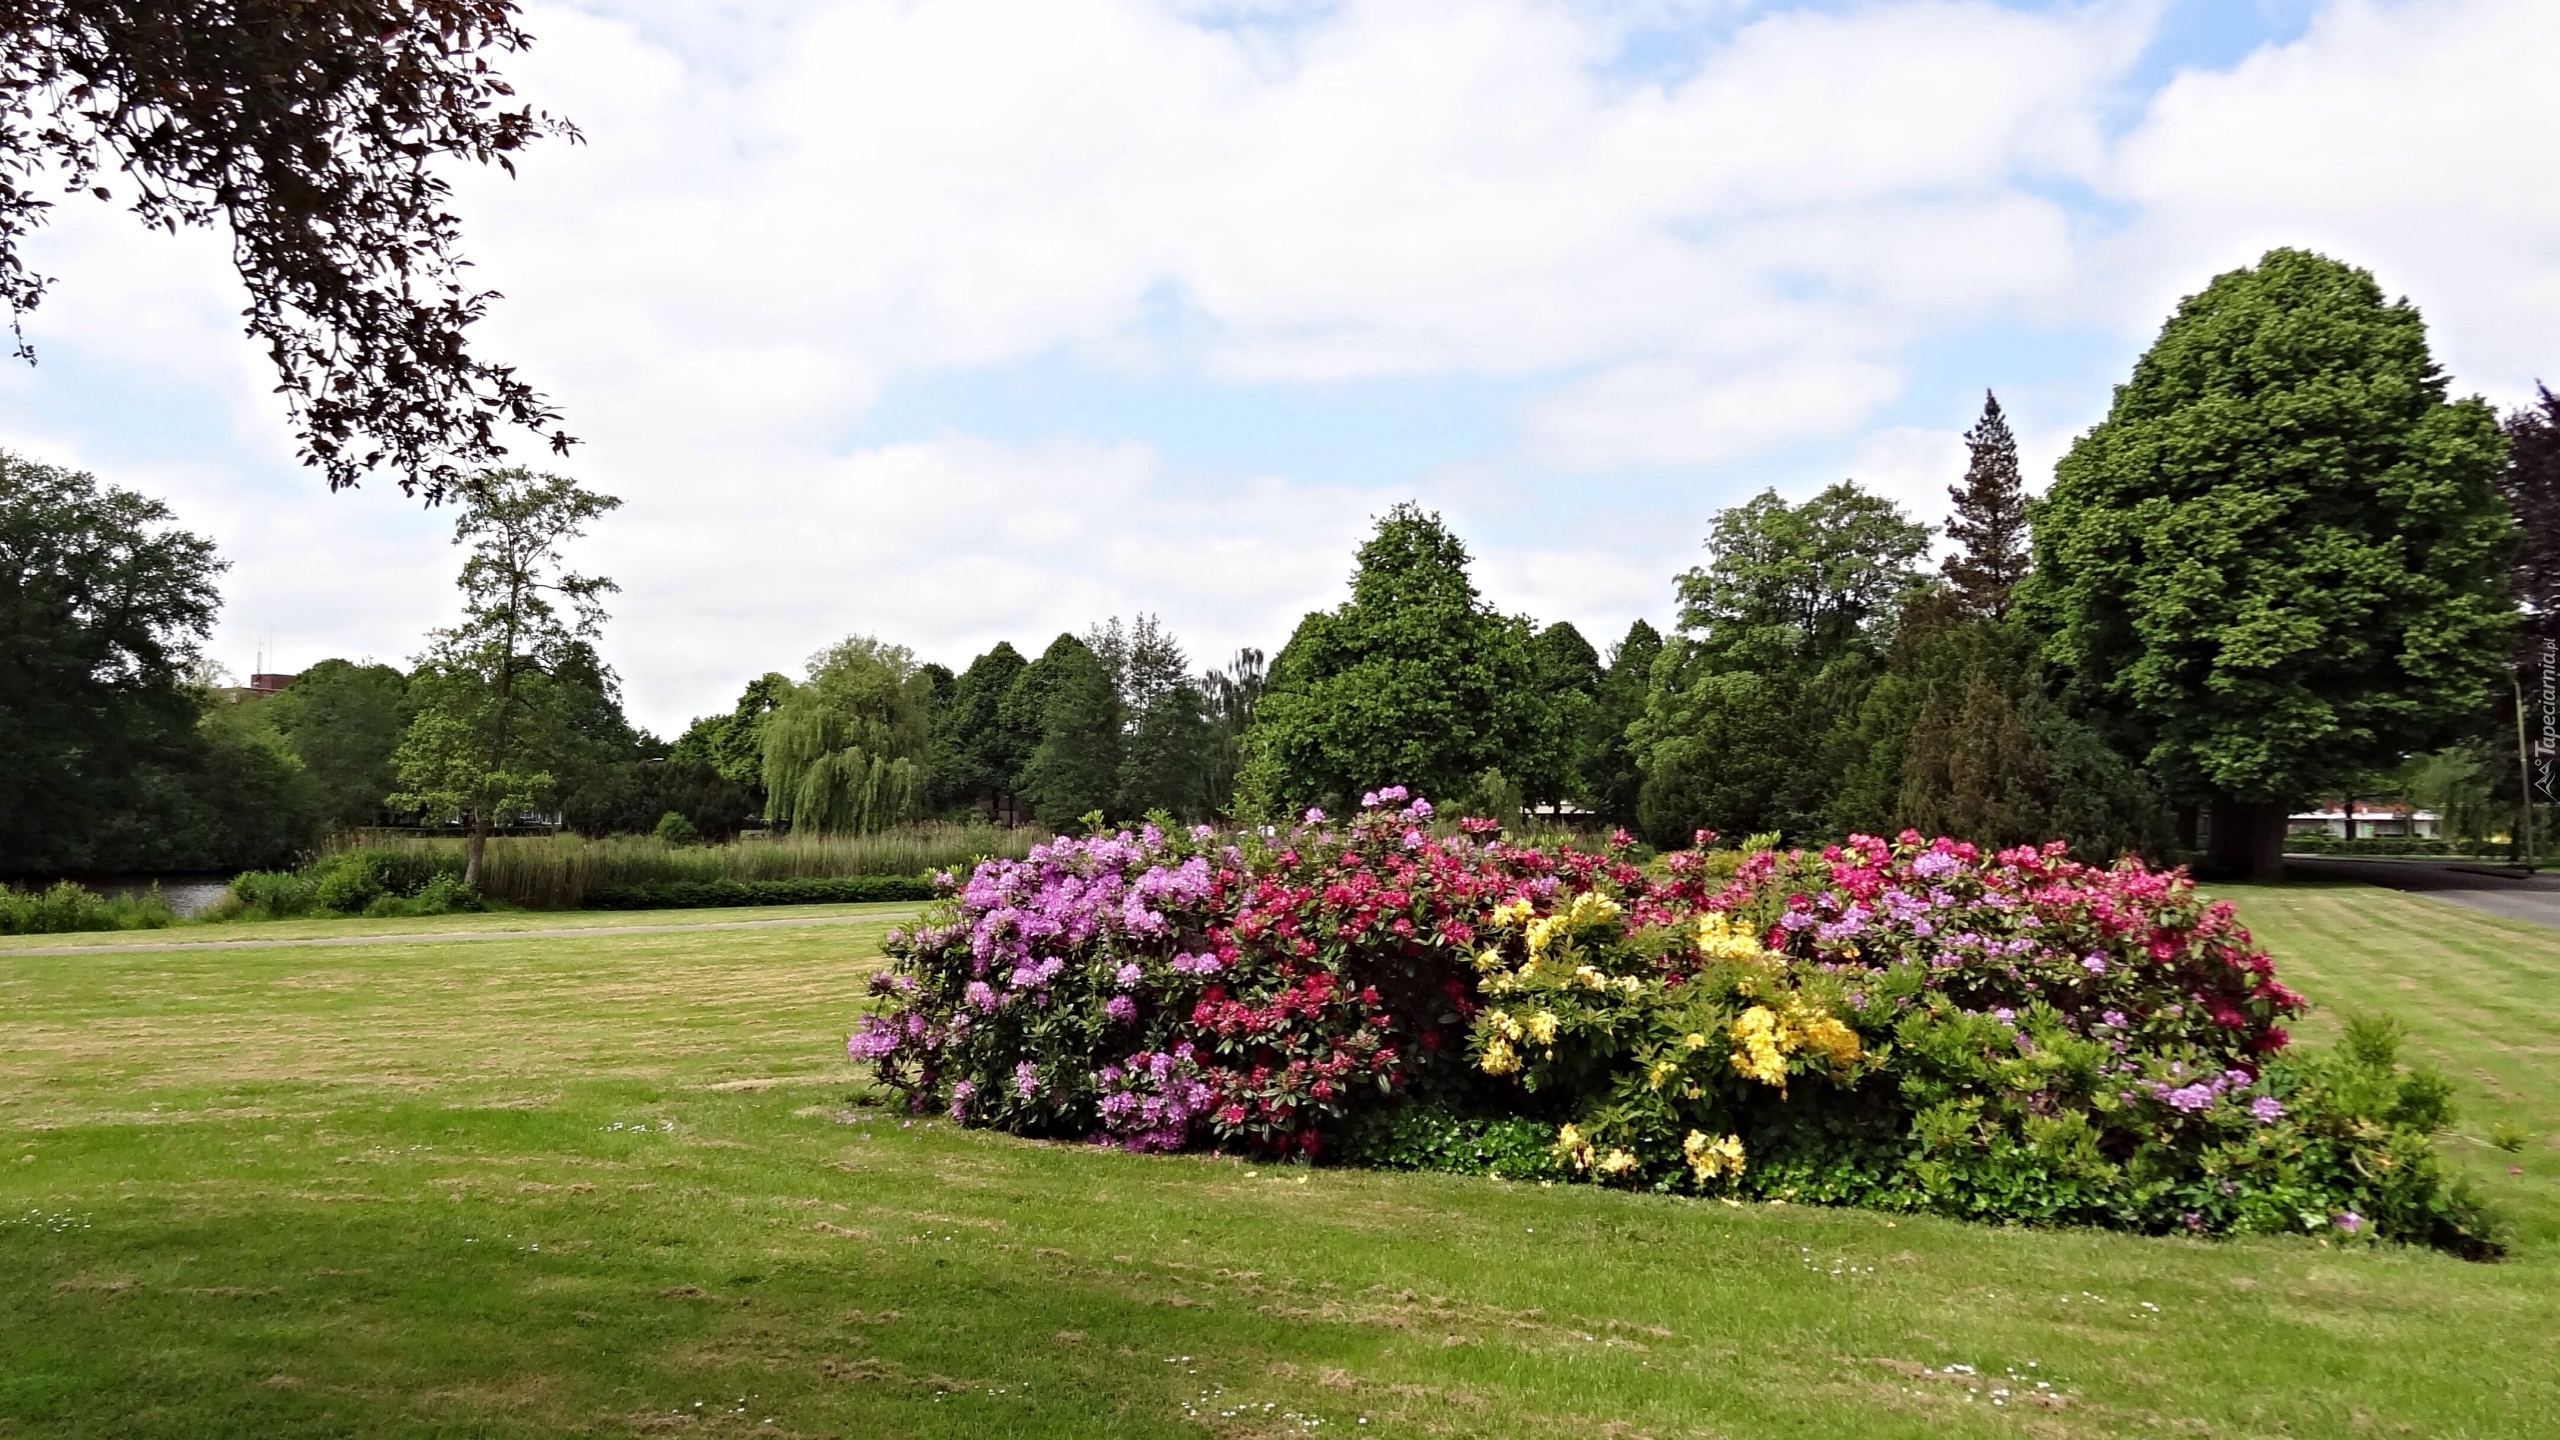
2266	858
2226	854
2247	840
2187	819
474	847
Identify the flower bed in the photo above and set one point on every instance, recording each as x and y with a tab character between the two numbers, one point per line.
1913	1025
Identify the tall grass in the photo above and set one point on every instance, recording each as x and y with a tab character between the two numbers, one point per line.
555	872
66	906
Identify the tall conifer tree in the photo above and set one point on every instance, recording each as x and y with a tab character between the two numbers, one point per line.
1990	520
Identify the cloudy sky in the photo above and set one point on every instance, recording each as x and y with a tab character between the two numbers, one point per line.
956	322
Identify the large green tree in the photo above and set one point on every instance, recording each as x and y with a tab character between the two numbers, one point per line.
1958	736
1168	745
1413	681
245	800
731	746
1989	521
1569	674
2277	564
1790	585
600	742
1068	698
1778	640
103	603
2531	485
343	721
492	723
848	750
1230	694
1612	772
977	756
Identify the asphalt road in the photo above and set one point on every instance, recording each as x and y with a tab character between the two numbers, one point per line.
2478	884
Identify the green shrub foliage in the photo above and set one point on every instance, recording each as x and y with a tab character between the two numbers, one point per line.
65	906
376	882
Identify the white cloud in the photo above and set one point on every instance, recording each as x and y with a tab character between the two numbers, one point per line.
1417	188
952	545
1913	468
1666	413
2412	139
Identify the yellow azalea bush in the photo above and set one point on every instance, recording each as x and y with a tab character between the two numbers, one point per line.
1652	1042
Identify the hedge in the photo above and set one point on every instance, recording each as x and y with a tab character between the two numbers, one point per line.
2404	847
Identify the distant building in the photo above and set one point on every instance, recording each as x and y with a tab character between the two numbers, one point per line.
268	684
2373	822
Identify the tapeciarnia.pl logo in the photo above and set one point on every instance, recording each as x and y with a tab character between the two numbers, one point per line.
2546	747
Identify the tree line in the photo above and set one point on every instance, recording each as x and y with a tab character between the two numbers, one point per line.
1112	722
2286	565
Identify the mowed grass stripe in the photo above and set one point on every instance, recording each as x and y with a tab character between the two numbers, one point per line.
2476	994
427	1015
501	924
625	1184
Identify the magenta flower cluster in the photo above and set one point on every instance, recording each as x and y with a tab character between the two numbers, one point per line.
1039	957
1150	1100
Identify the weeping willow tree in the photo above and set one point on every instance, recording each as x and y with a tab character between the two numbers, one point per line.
846	752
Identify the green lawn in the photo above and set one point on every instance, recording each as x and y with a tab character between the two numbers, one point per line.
2480	995
626	1184
485	922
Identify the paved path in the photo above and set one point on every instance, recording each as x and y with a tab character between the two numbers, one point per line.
434	937
2480	884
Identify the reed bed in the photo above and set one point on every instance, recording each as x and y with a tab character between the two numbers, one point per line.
556	872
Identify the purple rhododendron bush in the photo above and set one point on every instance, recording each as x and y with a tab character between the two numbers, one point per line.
1909	1025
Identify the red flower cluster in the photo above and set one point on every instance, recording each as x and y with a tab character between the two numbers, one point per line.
1346	978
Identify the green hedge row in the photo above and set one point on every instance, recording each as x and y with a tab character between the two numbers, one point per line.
701	894
2398	846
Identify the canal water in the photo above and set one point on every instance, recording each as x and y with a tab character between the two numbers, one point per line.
185	894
